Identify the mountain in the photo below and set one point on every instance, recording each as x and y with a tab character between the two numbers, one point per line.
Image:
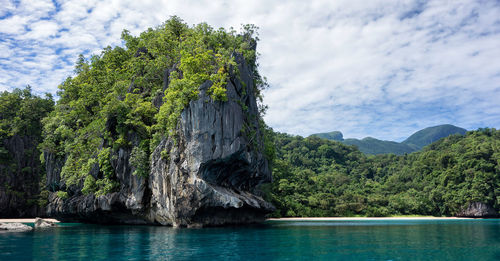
371	145
429	135
415	142
334	135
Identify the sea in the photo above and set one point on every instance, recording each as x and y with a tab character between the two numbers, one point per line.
475	239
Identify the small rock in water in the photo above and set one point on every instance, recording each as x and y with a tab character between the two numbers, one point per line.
15	227
195	225
42	223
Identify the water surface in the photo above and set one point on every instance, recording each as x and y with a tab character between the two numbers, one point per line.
273	240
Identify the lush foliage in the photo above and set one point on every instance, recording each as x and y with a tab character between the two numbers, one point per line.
317	177
21	112
130	98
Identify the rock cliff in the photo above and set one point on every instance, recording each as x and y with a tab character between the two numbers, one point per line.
20	172
205	174
477	210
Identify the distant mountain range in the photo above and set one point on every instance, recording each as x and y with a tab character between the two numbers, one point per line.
415	142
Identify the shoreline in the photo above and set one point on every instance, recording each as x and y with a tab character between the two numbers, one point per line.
26	220
365	218
32	220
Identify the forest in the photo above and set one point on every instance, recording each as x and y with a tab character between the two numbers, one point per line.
319	177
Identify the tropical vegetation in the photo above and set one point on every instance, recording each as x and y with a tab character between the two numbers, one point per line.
318	177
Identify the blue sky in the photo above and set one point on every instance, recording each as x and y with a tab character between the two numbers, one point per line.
367	68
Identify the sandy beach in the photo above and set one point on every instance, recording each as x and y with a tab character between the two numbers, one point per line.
25	220
32	220
362	218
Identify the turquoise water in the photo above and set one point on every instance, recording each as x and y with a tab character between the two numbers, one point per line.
274	240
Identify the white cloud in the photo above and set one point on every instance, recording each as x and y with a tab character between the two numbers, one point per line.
7	6
367	68
36	9
6	51
41	30
13	25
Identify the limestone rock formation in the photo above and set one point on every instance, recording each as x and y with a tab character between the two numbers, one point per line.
15	227
477	210
205	174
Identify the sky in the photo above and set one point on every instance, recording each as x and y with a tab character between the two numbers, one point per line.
375	68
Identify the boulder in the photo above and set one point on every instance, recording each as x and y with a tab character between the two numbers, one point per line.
42	223
15	227
477	210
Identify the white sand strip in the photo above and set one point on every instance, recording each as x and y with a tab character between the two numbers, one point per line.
362	218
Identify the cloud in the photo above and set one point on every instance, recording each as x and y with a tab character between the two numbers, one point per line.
41	29
367	68
388	76
13	25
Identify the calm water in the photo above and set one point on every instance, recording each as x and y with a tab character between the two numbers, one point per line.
274	240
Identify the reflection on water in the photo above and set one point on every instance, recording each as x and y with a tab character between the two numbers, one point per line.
275	240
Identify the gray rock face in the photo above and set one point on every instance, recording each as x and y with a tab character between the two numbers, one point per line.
206	174
211	169
53	166
477	210
19	177
15	227
42	223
